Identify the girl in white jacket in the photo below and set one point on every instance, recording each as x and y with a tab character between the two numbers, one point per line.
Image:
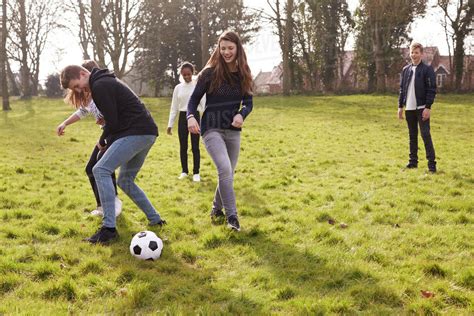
179	105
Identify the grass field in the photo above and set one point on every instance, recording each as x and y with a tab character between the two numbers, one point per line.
305	162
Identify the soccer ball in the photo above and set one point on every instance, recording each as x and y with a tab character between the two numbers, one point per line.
146	246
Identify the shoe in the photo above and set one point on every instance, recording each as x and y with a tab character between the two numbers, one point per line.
98	212
196	177
182	176
161	222
118	206
233	223
411	166
216	214
432	166
103	235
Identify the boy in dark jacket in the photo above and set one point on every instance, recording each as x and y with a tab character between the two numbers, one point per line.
417	93
129	133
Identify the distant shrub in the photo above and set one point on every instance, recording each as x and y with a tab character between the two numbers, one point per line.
53	86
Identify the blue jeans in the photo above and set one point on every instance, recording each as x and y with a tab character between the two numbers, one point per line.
129	154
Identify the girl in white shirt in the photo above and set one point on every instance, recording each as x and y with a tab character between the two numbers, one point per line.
85	106
179	105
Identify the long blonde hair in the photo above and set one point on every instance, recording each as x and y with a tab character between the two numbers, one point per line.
81	100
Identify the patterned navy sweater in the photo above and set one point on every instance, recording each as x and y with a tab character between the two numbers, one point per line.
222	104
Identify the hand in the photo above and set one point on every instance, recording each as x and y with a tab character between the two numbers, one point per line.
100	121
60	129
193	126
238	121
101	148
168	131
400	113
425	116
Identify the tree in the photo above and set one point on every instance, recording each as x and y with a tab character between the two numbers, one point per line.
312	36
204	33
461	24
383	28
30	22
284	29
173	33
109	31
287	48
53	86
3	58
97	30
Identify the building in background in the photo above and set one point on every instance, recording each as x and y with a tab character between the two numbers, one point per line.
351	79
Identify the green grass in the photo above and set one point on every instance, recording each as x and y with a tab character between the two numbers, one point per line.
304	161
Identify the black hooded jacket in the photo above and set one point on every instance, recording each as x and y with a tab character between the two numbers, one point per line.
123	112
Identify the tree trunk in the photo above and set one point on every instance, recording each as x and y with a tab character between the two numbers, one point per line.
98	31
83	37
458	61
288	30
24	70
379	59
11	76
3	59
204	33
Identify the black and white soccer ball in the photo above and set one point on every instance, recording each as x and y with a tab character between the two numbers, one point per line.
146	245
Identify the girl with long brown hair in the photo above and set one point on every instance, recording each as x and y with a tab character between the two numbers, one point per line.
84	105
227	83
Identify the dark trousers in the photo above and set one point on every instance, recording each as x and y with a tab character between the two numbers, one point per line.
183	144
414	118
95	157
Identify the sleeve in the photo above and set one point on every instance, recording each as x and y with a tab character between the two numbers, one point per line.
174	107
430	87
200	90
202	104
247	105
400	95
81	113
105	100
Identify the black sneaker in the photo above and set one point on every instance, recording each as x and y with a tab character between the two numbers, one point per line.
103	235
217	214
233	223
411	166
161	222
432	166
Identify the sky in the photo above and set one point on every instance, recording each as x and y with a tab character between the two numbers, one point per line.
263	52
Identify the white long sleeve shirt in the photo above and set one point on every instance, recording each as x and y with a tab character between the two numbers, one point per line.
411	97
181	94
90	109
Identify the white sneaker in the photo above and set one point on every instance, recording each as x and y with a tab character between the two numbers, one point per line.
98	212
118	206
197	178
182	176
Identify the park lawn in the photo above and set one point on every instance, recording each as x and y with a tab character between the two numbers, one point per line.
304	162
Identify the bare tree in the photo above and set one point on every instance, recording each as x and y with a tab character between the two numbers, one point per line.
284	29
30	23
461	24
123	27
3	58
98	31
287	47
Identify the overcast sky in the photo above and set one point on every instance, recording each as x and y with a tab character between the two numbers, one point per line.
263	53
